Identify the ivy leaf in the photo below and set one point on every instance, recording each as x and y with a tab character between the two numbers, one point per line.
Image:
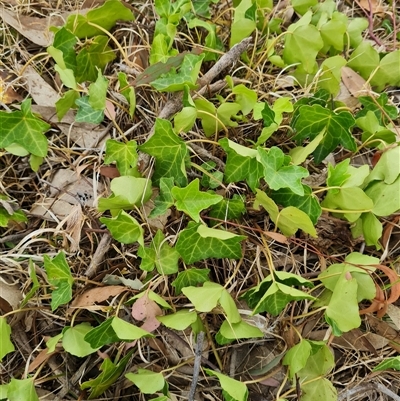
73	340
66	102
192	201
124	154
170	153
187	76
388	71
86	113
235	389
308	203
105	16
302	46
59	276
180	320
6	346
229	332
165	199
128	91
379	107
22	390
228	209
278	174
364	59
159	254
241	164
25	129
65	41
147	381
110	373
314	119
199	242
389	363
272	296
98	92
124	228
190	277
97	55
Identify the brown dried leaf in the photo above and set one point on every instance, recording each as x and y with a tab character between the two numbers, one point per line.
10	298
33	28
41	92
42	357
355	83
7	93
145	308
96	295
375	6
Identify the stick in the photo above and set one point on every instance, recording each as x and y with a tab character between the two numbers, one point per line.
197	363
98	256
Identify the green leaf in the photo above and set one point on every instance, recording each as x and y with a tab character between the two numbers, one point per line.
59	276
98	92
344	298
35	284
389	363
302	6
159	254
105	16
331	74
65	41
73	340
242	27
192	201
6	346
25	129
386	198
332	32
296	358
198	242
147	381
302	46
247	98
124	228
387	169
128	91
18	390
354	29
229	332
128	192
126	331
96	55
180	320
86	113
307	203
236	389
102	335
273	296
170	153
185	119
364	59
299	154
379	107
241	164
321	389
110	373
187	76
67	77
190	277
165	199
320	362
278	174
68	101
124	154
205	298
388	71
228	209
312	120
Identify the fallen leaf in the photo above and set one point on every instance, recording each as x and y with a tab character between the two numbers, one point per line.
375	6
42	357
41	92
33	28
10	298
96	295
7	93
146	309
394	314
355	83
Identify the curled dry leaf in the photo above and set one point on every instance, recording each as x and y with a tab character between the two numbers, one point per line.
10	298
380	303
7	93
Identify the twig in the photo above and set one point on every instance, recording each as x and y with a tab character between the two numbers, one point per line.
196	366
98	256
365	388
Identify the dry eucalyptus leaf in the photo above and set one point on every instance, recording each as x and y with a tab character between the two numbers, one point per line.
41	92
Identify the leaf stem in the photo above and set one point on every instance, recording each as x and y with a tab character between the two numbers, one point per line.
325	209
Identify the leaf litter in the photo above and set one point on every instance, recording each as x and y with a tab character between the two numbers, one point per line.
71	181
